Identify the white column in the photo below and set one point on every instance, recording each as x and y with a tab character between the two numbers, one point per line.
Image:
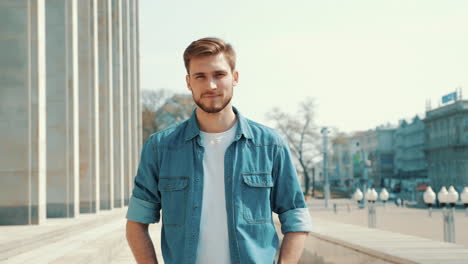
133	91
89	106
106	105
117	59
62	109
137	74
22	112
126	102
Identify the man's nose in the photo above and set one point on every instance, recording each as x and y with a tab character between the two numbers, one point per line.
213	84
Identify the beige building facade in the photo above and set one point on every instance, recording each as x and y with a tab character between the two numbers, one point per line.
70	108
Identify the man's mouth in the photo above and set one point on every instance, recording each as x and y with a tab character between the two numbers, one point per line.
211	95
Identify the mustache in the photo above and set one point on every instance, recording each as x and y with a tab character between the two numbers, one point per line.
211	94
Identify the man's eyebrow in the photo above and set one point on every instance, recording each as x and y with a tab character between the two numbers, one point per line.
198	73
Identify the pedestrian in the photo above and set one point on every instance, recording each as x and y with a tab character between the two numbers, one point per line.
216	178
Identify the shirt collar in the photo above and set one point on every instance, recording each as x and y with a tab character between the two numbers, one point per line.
243	127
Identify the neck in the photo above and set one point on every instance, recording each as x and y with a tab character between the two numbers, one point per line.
217	122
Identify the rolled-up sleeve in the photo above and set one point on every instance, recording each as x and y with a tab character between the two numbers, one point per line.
145	203
287	198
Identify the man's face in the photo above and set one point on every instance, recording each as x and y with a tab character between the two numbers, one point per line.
211	81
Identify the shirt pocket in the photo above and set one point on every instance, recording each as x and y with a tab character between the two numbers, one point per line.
256	191
174	193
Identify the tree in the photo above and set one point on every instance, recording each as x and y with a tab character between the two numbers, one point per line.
151	101
177	108
302	135
161	109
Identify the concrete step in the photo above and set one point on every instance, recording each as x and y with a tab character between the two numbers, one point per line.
87	239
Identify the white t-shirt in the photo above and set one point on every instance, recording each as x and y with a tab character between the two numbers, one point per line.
213	245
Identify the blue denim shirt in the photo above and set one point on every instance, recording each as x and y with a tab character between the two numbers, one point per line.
260	178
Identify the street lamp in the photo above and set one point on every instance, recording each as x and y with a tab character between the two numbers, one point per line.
429	198
364	164
384	196
371	197
452	196
357	195
442	196
464	199
448	197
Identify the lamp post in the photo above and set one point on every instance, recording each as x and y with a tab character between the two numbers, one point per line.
464	199
448	198
429	198
384	196
364	164
326	187
371	197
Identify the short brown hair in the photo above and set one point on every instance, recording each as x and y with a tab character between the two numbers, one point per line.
208	47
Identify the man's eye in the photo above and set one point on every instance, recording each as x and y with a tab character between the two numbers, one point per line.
220	74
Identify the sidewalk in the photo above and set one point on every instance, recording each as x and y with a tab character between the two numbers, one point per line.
125	255
409	221
90	238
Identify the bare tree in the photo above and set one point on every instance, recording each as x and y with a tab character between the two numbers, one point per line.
151	101
154	99
302	135
177	108
161	109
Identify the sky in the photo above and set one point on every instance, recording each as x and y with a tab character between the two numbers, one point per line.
365	62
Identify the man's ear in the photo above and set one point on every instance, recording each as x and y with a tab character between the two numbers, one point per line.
187	80
235	78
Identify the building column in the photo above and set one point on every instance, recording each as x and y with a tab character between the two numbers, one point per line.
22	112
106	105
62	109
117	81
133	90
127	121
137	74
89	106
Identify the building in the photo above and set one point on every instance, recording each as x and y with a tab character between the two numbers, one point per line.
371	149
447	145
69	107
341	166
410	160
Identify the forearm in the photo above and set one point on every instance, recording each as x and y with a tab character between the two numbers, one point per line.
140	243
292	246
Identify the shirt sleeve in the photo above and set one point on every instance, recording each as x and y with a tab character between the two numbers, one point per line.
145	203
287	198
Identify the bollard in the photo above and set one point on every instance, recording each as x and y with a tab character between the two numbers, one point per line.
449	224
371	215
334	208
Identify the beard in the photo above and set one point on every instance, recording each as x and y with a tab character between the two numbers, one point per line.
212	109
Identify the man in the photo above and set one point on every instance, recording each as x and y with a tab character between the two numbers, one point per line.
217	177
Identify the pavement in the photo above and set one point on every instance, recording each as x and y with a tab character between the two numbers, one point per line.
101	238
125	255
408	221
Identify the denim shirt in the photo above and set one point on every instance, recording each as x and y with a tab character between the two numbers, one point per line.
260	178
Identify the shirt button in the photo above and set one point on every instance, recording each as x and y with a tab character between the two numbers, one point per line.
195	207
196	179
193	236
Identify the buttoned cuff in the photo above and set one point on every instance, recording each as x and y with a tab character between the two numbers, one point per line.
296	220
143	211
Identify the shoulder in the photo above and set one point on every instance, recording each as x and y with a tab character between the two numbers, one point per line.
173	135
